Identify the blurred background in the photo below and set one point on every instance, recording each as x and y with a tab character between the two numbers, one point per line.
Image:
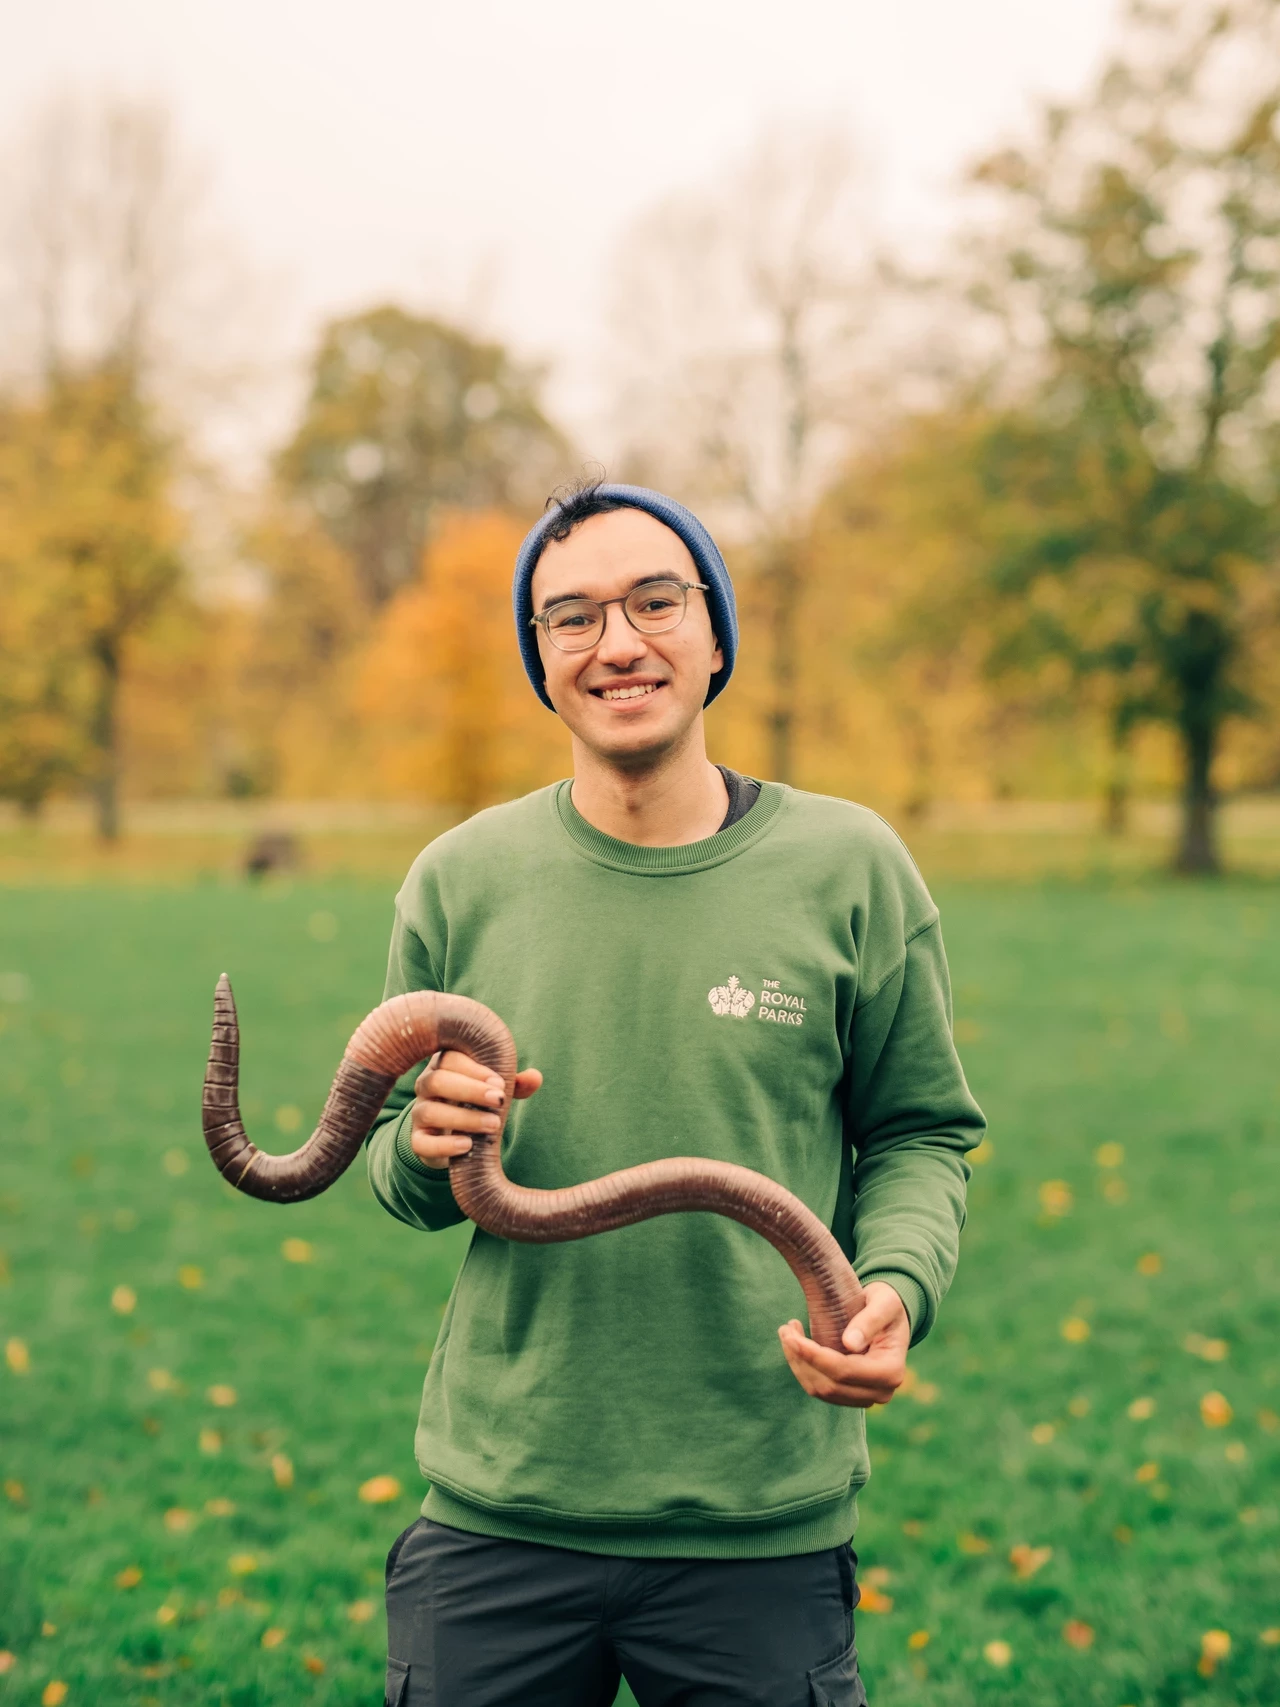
961	329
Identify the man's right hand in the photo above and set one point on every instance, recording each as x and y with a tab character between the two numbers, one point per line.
454	1097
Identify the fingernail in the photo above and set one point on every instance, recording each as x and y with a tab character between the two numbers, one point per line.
491	1123
492	1095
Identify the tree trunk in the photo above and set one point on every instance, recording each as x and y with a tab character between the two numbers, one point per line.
785	583
104	734
1115	808
1198	843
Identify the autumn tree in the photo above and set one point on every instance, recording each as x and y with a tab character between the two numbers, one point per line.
446	708
1132	265
406	416
741	316
104	281
288	726
91	552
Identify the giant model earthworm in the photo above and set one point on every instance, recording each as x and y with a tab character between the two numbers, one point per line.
408	1029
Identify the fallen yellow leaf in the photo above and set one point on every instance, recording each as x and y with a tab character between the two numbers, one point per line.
210	1441
242	1564
1043	1433
1056	1197
972	1544
124	1300
1237	1452
1150	1263
129	1577
191	1277
1026	1560
273	1637
361	1611
220	1508
314	1666
1268	1420
55	1693
297	1250
14	1490
379	1490
1141	1409
8	1659
1077	1634
160	1381
1146	1472
982	1155
998	1654
1079	1406
166	1614
1215	1645
1271	1638
18	1357
1215	1411
1109	1155
918	1639
222	1396
1212	1351
1076	1330
874	1599
282	1470
178	1520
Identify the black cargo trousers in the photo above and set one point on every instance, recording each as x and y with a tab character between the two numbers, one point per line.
477	1622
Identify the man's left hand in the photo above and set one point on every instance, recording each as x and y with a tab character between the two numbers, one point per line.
872	1367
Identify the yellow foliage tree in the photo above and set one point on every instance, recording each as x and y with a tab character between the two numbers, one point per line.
446	709
89	554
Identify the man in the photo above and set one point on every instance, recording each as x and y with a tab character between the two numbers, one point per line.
627	1473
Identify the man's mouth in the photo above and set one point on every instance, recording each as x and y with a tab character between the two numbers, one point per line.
637	692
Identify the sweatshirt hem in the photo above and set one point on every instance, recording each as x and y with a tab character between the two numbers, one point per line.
812	1529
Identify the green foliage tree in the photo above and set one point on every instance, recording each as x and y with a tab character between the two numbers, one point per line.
1133	266
407	414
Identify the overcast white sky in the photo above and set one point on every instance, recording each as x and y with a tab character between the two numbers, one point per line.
483	155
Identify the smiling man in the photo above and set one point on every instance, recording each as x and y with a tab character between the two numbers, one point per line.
634	1470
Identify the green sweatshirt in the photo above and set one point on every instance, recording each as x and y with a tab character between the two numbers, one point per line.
776	996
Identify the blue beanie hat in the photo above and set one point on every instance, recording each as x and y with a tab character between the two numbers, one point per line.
702	548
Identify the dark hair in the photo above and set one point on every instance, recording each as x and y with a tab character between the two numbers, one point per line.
577	502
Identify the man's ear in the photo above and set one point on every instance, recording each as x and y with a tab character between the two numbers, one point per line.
717	655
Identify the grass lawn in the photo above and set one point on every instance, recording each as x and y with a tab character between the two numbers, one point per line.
196	1386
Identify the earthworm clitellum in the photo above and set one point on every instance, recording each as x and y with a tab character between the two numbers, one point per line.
409	1029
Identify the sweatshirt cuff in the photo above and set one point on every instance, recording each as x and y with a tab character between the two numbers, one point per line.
405	1156
914	1300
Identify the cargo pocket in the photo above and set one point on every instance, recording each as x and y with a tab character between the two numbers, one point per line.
398	1683
837	1683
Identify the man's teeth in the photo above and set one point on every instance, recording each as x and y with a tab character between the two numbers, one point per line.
628	693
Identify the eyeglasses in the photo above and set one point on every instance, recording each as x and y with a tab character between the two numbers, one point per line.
654	607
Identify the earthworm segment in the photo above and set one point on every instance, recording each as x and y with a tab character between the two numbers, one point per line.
408	1029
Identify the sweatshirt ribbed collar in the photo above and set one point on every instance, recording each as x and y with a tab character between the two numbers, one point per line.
668	862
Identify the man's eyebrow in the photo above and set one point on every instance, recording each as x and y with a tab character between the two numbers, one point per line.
640	581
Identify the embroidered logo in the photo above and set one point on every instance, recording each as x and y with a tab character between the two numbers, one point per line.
731	999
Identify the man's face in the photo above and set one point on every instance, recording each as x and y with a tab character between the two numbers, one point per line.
604	558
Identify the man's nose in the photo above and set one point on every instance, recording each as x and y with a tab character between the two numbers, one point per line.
620	644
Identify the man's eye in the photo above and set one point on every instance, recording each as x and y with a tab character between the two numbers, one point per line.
571	619
653	604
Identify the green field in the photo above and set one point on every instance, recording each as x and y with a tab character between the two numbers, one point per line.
1143	1015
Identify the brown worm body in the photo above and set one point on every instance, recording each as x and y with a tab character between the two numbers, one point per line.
408	1029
